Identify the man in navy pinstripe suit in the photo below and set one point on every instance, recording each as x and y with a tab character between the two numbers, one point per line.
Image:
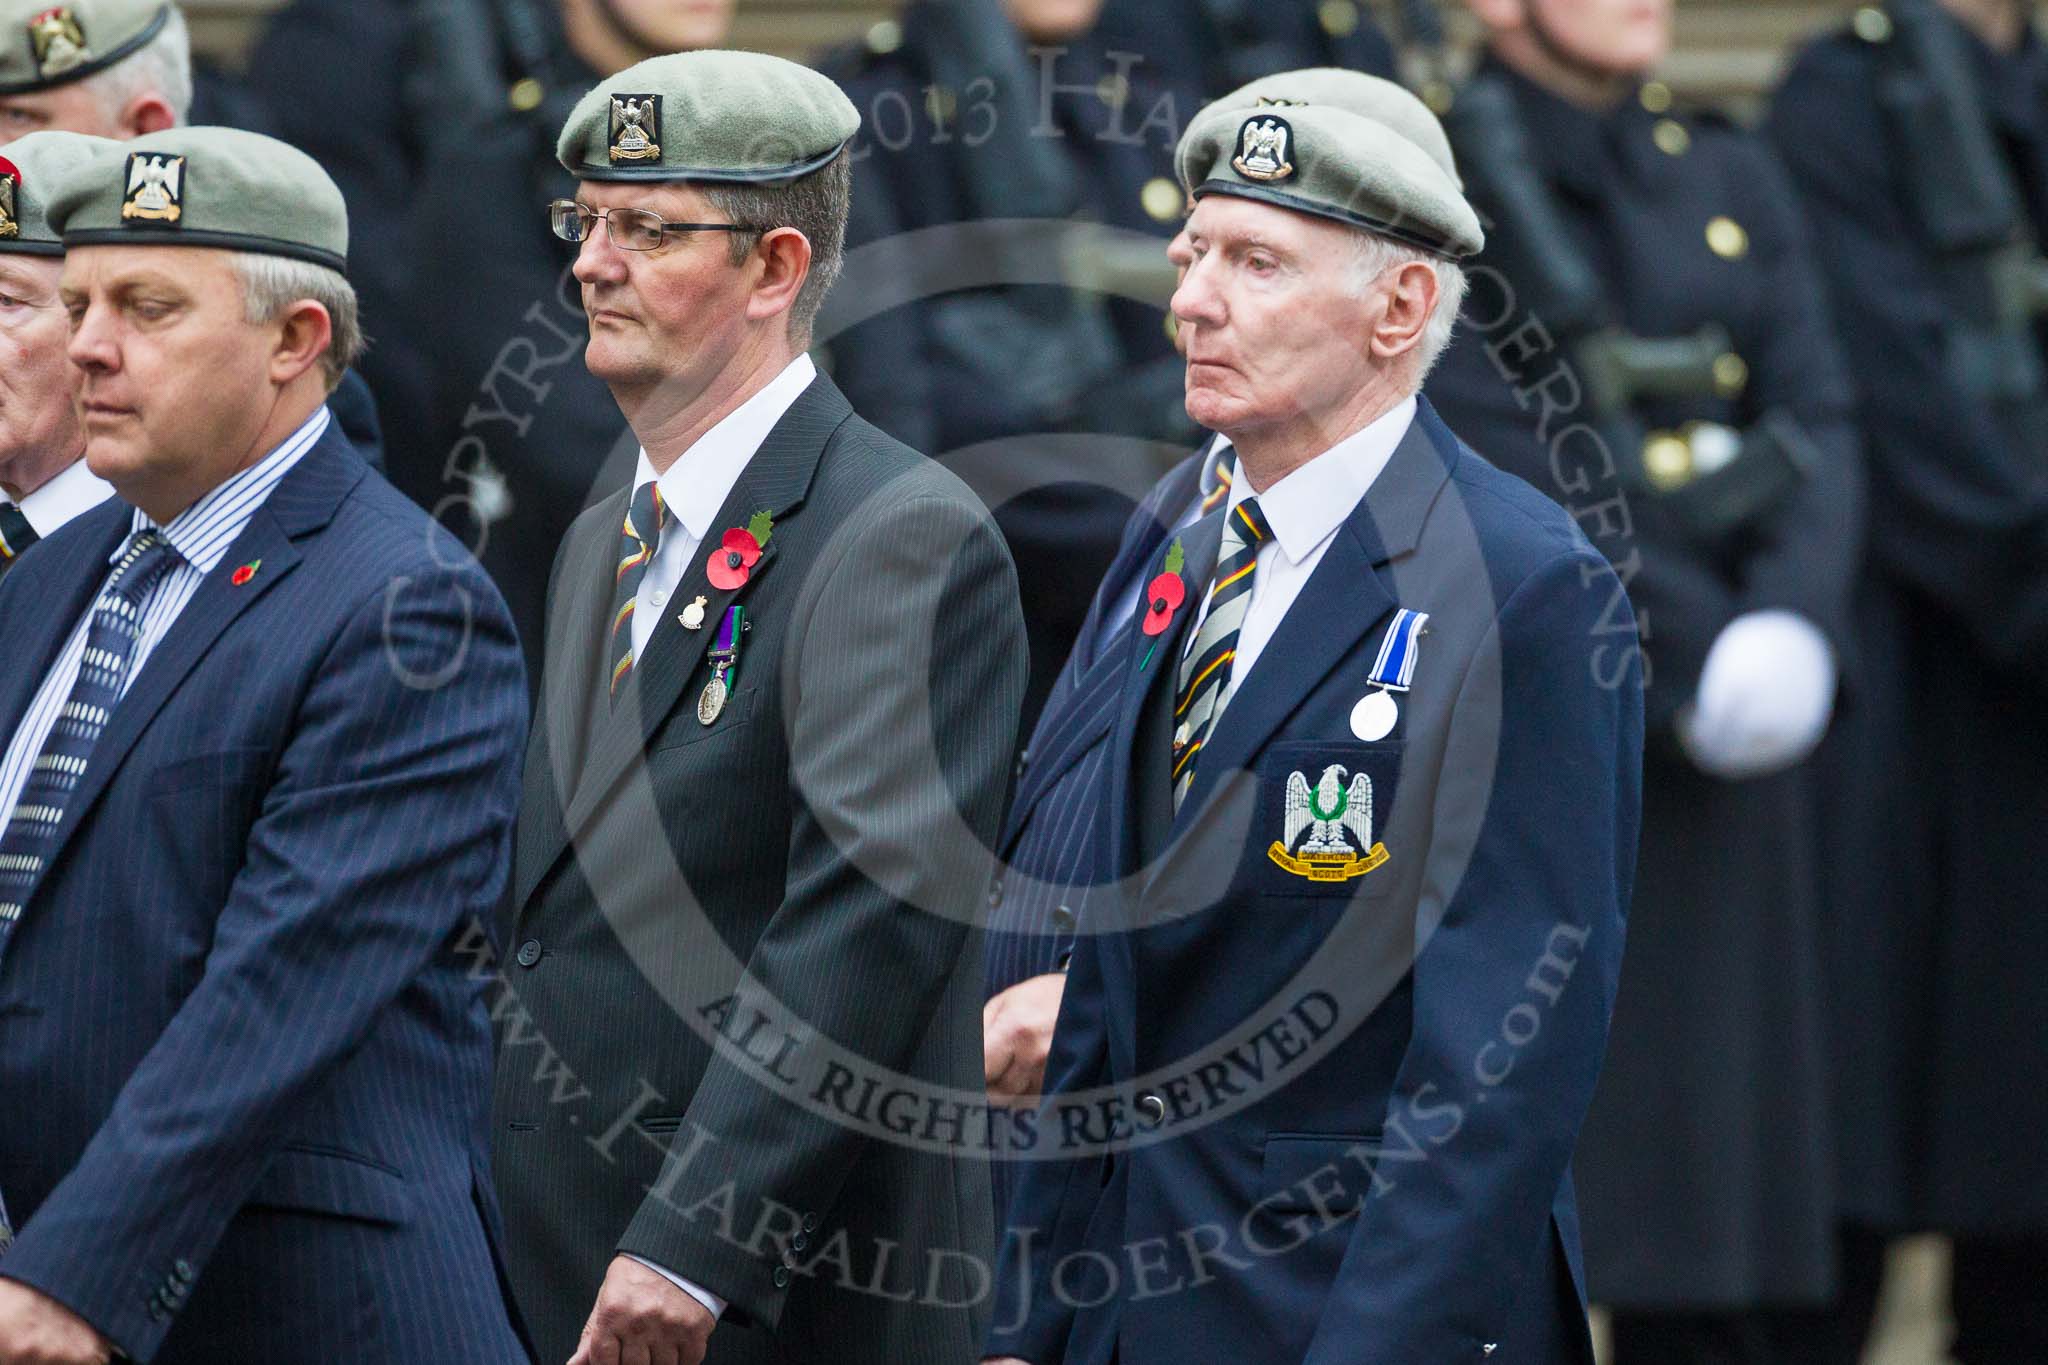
259	737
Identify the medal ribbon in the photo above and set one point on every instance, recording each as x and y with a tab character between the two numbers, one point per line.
726	648
1395	667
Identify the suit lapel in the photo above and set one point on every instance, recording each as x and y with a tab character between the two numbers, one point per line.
46	625
304	502
1082	712
775	481
1349	595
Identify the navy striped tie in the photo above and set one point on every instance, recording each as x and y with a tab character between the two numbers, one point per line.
16	535
110	639
1198	699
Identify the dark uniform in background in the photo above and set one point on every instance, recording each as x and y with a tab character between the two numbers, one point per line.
1706	1161
1233	42
1938	800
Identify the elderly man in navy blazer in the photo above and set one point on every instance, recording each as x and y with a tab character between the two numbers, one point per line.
259	737
1372	793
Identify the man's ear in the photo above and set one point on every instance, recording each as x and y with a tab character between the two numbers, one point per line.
148	113
1410	301
783	258
304	334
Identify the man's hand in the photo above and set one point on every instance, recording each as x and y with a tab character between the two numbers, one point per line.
37	1330
642	1319
1016	1035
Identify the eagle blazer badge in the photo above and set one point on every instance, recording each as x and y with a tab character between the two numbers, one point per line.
1327	828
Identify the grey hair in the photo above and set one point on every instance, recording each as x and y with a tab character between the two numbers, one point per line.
163	67
1375	255
271	284
816	206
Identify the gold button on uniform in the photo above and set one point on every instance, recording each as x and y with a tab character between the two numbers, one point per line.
525	95
885	37
941	104
1161	199
1872	25
1727	239
1671	137
1667	460
1113	90
1656	97
1339	17
1731	375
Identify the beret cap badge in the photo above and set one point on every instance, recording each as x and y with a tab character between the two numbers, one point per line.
59	42
636	128
10	225
1263	147
155	188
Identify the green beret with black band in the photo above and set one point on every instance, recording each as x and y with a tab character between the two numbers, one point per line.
717	117
43	46
1333	162
32	169
1385	101
212	187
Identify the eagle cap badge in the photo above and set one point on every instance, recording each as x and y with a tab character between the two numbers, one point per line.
636	128
1326	830
58	40
1265	144
156	188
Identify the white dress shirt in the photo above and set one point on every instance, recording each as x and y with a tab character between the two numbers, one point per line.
693	490
75	491
697	485
1304	509
202	535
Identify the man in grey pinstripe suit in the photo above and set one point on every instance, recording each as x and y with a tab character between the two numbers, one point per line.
735	1114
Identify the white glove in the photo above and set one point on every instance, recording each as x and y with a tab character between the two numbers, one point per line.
1765	696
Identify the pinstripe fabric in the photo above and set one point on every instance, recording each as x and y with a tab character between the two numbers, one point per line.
201	535
1204	673
239	1018
811	834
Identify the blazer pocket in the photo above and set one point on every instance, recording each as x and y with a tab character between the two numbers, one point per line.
309	1180
684	729
1297	1170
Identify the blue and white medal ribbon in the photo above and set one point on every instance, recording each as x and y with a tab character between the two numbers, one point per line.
1393	671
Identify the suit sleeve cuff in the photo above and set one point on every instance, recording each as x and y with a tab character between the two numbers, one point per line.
711	1301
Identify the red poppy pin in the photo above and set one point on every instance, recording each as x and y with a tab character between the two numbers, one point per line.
245	573
1164	596
737	552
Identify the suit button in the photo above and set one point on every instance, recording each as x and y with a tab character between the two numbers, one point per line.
1066	960
995	893
798	1241
1151	1110
182	1268
782	1277
529	952
810	1222
1062	918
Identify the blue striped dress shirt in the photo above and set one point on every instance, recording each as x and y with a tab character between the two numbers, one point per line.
202	535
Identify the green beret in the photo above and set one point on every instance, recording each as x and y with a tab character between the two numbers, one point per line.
1333	161
44	45
218	187
31	170
1385	101
726	117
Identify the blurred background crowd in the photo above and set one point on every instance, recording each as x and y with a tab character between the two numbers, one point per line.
1774	265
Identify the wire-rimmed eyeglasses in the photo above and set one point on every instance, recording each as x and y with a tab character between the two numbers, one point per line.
629	229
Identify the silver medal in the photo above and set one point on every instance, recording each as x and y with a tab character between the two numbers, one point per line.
713	699
1374	715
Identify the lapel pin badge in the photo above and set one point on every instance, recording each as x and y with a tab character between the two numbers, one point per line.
692	616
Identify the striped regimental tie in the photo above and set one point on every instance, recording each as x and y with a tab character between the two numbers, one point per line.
16	535
1205	672
646	515
110	638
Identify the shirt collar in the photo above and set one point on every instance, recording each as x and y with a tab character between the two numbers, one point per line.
1306	508
697	484
202	533
74	491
